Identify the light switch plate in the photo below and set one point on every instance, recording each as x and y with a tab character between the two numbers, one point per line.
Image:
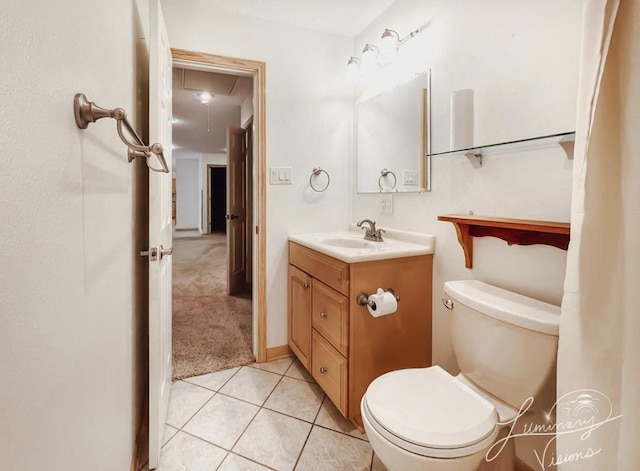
280	175
410	177
386	203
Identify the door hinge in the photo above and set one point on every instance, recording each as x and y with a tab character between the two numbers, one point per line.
257	232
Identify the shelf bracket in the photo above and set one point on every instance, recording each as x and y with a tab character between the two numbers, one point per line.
475	158
568	146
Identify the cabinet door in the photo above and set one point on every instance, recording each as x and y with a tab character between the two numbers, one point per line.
331	316
300	315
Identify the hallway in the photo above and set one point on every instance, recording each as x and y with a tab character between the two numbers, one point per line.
211	331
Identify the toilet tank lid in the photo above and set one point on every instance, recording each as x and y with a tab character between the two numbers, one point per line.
505	305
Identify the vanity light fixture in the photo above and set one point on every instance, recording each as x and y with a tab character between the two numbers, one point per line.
391	41
374	57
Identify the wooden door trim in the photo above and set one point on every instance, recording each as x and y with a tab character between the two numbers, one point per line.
257	70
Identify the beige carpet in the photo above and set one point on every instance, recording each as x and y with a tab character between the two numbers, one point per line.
211	331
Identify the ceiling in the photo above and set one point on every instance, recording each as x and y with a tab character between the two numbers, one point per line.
343	17
202	128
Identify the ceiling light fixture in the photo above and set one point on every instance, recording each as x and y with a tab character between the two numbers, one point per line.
205	97
374	57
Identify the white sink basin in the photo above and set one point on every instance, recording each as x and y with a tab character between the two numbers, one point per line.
352	247
348	242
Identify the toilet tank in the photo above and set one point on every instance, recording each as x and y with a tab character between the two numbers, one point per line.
505	343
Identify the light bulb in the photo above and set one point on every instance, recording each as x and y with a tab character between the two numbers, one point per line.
368	63
353	70
204	97
389	42
369	55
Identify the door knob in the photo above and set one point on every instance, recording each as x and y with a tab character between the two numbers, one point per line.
164	251
230	216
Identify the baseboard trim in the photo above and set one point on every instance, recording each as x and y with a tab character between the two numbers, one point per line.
187	229
276	353
519	465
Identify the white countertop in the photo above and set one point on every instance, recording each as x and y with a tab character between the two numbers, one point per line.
350	246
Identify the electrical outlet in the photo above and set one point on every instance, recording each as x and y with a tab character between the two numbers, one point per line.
386	203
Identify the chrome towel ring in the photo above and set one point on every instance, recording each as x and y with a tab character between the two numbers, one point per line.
383	173
87	112
315	173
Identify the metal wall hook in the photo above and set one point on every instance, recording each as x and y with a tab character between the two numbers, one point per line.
87	112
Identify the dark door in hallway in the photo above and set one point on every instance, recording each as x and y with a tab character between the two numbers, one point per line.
218	199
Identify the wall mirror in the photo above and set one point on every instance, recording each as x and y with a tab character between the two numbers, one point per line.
392	138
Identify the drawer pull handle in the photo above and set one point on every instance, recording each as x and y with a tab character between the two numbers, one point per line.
323	370
323	315
306	285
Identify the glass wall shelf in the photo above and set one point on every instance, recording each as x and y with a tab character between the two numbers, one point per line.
474	154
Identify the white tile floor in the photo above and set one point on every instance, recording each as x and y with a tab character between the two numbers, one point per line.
269	416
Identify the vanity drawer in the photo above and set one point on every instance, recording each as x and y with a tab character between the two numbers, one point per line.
330	368
331	316
330	271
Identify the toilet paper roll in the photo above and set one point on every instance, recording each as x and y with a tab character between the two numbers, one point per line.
383	303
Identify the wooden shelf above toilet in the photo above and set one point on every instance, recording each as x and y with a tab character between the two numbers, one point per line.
513	231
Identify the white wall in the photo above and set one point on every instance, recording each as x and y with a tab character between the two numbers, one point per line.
188	171
521	60
309	123
209	159
68	309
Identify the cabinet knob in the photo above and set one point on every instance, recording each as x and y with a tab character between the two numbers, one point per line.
306	285
323	370
323	315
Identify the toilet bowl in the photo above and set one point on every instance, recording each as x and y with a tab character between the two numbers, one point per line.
434	420
424	419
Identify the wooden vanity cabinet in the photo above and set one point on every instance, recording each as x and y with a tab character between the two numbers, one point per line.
338	341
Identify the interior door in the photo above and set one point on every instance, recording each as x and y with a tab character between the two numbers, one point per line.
159	232
236	210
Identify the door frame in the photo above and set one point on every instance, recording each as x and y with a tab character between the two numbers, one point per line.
257	70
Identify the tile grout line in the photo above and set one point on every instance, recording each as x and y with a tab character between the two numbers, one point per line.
261	407
180	429
252	419
248	459
310	430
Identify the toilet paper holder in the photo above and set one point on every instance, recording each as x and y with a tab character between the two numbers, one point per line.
363	298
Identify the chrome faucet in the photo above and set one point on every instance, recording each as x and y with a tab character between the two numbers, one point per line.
371	233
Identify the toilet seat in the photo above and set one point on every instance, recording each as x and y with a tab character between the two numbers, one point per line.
428	412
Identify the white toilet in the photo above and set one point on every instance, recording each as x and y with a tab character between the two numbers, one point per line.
424	419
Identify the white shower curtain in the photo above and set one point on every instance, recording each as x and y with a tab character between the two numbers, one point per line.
599	348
